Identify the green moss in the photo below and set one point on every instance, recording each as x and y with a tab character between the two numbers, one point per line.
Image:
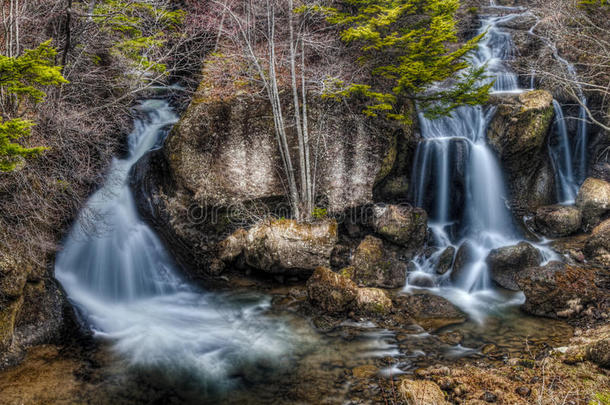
601	398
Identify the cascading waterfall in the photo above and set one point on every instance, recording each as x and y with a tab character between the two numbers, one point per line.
127	289
460	184
561	156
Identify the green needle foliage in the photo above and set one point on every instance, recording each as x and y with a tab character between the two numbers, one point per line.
404	46
21	79
141	29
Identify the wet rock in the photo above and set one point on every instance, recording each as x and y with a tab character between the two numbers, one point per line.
421	392
421	280
557	221
287	247
557	290
429	311
507	261
376	267
518	133
445	260
401	224
465	256
373	302
330	291
594	201
599	353
597	246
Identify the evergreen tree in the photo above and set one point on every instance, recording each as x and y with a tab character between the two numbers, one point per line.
21	80
404	46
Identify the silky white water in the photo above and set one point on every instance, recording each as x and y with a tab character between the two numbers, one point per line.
458	180
127	289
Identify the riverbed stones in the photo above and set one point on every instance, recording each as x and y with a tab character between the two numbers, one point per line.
429	311
557	221
597	246
421	392
593	200
400	224
507	261
518	133
374	266
557	290
330	291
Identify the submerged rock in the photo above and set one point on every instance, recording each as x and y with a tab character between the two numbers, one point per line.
373	266
400	224
330	291
421	392
597	247
518	133
594	201
430	311
557	290
507	261
557	221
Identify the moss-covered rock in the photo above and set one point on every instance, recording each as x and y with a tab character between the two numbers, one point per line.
330	291
372	302
401	224
557	220
375	267
594	201
518	133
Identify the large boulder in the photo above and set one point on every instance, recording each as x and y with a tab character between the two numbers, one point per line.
330	291
518	133
429	311
401	224
507	261
374	266
283	246
594	201
557	221
557	290
597	246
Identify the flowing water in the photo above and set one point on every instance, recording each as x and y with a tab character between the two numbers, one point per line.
127	289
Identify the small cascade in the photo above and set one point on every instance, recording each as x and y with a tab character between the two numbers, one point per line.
561	156
127	289
459	182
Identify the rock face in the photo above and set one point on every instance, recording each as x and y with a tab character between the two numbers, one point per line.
330	291
373	266
557	290
597	247
507	261
430	311
283	246
557	221
518	133
401	224
421	392
594	201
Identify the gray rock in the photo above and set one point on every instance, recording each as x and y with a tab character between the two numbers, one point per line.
464	257
445	260
557	220
507	261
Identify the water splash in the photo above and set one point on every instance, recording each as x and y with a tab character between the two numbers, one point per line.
127	289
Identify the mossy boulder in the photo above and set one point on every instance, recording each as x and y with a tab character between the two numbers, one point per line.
558	290
374	266
518	134
401	224
330	291
597	246
372	302
283	246
505	262
593	200
557	221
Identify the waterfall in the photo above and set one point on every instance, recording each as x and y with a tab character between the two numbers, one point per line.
561	156
127	289
460	182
